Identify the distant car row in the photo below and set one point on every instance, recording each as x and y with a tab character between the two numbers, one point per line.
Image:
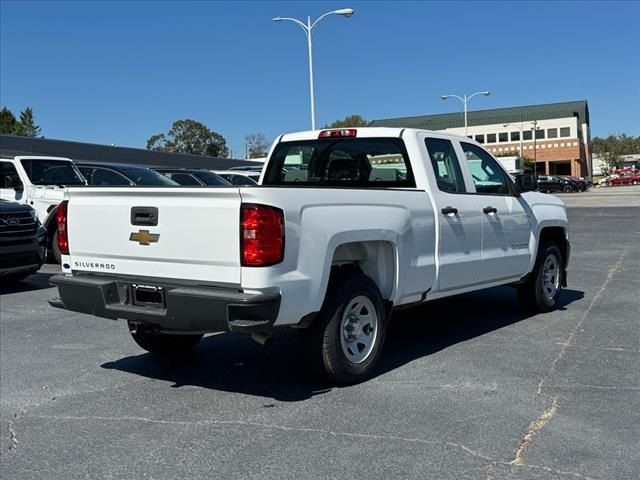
119	174
562	183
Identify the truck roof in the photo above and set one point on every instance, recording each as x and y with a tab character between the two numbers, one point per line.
362	132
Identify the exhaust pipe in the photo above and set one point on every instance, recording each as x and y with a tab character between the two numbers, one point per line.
264	339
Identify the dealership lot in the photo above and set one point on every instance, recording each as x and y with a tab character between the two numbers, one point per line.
467	388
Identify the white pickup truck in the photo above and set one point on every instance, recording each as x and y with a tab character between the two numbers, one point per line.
41	183
346	226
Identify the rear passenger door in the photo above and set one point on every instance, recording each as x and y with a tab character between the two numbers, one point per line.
459	218
505	220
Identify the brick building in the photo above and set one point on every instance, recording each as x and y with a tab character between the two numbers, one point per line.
560	143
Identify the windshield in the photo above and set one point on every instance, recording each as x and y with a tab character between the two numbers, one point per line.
144	176
52	172
210	178
344	162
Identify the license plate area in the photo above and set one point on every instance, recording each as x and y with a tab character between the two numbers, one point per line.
148	296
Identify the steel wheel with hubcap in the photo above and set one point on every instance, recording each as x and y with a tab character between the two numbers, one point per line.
359	329
345	340
541	290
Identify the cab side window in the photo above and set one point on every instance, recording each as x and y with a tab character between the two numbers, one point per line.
488	177
445	165
9	177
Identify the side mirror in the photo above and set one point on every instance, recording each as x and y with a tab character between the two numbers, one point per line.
527	183
19	188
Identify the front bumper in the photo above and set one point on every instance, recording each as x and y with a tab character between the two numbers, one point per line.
183	308
23	254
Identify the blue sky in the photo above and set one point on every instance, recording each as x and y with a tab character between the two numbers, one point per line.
119	72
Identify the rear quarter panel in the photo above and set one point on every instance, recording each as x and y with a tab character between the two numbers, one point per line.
319	220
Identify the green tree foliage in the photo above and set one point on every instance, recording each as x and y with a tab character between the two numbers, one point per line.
189	136
257	145
611	149
8	123
350	121
26	126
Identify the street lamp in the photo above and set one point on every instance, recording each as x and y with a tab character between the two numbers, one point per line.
534	128
465	101
308	29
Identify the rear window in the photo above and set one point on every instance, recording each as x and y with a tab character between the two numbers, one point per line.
342	162
52	172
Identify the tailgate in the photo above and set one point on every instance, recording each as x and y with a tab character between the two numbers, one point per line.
196	236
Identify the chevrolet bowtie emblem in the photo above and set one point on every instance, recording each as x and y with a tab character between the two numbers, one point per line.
143	237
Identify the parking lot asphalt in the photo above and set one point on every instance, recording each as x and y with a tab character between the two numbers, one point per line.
468	387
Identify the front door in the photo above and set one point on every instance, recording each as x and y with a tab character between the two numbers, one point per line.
459	220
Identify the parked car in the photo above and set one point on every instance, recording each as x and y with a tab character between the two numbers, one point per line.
580	183
193	176
40	182
122	174
617	180
556	183
239	178
23	241
332	253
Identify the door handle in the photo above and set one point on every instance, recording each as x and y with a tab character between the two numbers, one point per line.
490	209
449	210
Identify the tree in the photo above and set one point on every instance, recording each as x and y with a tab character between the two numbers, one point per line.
189	136
257	145
28	124
8	123
611	149
350	121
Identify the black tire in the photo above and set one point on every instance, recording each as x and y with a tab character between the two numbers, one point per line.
567	189
531	294
323	339
14	277
54	252
165	343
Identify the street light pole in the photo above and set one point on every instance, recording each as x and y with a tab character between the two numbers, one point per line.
308	30
465	101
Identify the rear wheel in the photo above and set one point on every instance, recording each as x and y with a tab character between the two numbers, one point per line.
345	341
55	255
165	343
541	290
14	277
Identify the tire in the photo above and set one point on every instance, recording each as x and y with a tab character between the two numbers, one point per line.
14	277
165	344
344	342
567	189
54	252
542	289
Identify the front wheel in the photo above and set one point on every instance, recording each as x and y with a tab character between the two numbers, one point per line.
165	343
541	290
567	189
345	341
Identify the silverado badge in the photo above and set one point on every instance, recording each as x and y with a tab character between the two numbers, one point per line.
143	237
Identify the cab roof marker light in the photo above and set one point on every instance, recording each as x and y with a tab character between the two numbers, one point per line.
339	133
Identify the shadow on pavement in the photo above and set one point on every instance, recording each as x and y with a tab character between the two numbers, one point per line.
232	363
37	281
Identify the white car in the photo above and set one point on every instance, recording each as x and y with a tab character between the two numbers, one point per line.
348	225
40	182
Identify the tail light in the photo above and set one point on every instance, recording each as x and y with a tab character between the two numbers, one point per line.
261	235
61	219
